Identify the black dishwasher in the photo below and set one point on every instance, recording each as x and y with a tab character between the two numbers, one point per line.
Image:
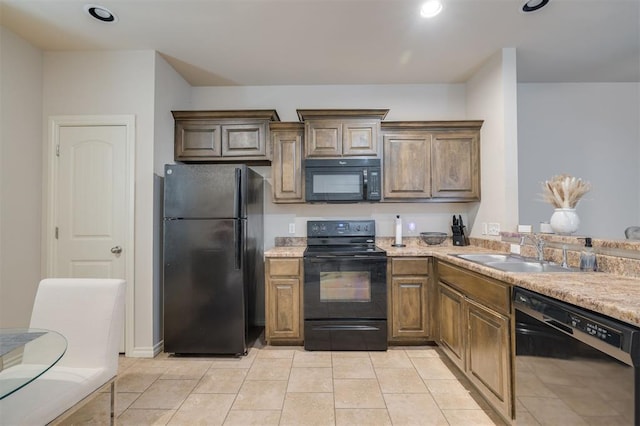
574	366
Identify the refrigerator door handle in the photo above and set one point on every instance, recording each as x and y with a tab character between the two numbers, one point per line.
237	195
237	244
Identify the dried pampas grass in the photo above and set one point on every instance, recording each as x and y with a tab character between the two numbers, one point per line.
564	191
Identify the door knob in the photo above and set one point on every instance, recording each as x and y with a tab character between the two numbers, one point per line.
116	250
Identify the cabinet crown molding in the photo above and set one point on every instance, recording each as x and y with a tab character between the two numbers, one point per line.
286	125
261	114
432	125
306	114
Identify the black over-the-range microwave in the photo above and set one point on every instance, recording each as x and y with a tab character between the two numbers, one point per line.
342	180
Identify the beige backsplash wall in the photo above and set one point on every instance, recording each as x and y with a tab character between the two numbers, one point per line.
416	218
620	257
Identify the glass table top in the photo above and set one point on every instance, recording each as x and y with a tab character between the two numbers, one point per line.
26	353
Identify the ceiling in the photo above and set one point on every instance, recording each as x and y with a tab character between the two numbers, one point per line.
314	42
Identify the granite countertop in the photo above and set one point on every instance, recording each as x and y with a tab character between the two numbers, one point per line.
609	294
285	251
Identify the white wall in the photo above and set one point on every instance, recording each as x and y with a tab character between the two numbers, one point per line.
405	102
588	130
171	92
20	177
492	96
94	83
141	83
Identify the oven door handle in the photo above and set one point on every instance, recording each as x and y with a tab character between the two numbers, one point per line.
363	260
347	256
345	327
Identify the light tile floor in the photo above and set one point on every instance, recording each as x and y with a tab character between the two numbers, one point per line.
288	386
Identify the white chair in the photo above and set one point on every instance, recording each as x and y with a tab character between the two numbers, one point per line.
89	313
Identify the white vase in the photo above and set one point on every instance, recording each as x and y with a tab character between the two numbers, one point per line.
564	221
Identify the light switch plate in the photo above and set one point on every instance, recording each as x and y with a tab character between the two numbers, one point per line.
292	228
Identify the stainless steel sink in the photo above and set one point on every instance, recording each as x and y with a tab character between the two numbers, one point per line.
529	267
513	263
488	257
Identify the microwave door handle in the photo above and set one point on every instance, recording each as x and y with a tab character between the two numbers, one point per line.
364	184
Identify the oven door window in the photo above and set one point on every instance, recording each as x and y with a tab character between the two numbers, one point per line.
345	286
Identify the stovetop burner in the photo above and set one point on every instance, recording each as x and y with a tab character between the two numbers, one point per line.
342	238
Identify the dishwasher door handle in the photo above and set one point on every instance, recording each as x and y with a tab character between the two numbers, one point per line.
558	325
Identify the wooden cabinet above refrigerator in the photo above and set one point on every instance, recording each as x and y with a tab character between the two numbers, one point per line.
223	136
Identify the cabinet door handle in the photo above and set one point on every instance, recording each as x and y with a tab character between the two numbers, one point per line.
116	250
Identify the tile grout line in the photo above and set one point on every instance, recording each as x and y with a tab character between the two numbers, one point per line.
241	384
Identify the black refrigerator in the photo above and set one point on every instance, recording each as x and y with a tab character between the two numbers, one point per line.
212	255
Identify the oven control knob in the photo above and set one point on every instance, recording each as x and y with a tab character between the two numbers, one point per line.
314	229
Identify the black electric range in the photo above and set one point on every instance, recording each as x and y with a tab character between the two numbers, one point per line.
345	287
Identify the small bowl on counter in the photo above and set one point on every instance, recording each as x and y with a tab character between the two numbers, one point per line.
433	238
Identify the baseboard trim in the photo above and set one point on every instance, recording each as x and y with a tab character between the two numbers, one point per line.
147	352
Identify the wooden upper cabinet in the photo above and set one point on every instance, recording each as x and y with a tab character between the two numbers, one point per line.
342	133
244	140
431	160
455	163
407	159
286	164
197	139
219	136
323	138
360	137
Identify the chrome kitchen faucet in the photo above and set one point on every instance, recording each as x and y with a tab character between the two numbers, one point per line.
538	243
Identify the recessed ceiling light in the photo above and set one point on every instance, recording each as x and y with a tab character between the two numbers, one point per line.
430	8
100	13
533	5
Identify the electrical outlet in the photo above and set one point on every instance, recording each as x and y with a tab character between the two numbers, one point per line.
493	229
292	228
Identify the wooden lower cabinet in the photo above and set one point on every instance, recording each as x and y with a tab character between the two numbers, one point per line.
451	324
474	332
408	307
488	355
283	296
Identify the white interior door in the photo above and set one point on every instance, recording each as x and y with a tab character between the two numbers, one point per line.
91	204
91	219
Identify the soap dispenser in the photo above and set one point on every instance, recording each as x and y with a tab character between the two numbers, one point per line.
588	261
